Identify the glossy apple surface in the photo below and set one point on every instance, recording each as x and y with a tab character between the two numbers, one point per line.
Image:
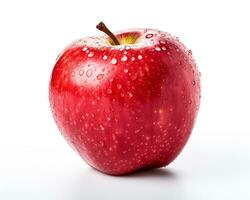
126	107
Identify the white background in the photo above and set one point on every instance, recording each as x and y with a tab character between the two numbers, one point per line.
35	161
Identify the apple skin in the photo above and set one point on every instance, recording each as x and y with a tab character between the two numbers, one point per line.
127	107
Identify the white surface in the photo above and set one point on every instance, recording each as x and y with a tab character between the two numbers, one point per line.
35	161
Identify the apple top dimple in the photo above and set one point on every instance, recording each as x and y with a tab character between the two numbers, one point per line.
129	39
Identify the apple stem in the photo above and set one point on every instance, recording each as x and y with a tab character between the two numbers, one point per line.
102	27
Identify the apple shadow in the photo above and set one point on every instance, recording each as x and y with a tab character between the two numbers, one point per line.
161	183
162	173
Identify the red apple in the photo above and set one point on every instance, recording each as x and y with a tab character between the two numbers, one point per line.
129	106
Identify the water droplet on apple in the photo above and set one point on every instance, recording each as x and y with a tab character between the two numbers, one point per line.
86	125
130	94
81	72
89	72
102	127
139	57
119	86
157	48
105	57
85	49
125	52
124	58
109	91
125	70
100	76
149	35
133	58
162	42
91	54
127	47
113	61
164	48
193	82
